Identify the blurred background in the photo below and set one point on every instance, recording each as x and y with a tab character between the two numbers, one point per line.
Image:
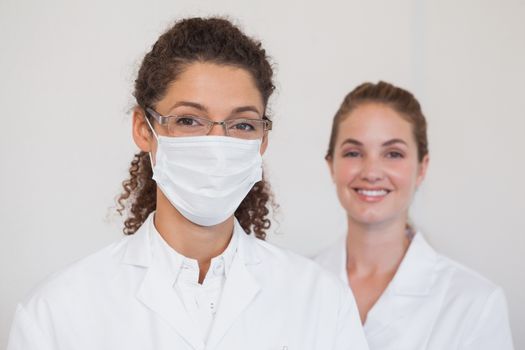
66	75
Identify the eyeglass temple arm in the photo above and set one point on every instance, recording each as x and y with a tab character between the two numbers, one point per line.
159	118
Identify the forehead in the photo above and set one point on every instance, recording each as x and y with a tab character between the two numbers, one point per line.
215	86
375	123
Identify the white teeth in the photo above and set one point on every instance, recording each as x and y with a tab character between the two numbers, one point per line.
372	193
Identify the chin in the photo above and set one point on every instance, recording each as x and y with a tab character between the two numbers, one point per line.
368	221
370	218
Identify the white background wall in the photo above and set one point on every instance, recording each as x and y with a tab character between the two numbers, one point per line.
66	74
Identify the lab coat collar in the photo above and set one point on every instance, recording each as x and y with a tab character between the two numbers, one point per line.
417	272
408	290
139	252
157	293
174	261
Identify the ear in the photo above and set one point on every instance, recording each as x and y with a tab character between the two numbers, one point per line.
422	172
142	134
264	143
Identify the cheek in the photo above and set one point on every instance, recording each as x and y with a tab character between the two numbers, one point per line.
345	171
404	176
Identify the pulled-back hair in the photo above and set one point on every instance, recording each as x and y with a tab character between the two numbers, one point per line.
400	100
213	40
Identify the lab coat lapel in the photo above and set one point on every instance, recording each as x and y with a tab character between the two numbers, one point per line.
156	291
239	290
407	291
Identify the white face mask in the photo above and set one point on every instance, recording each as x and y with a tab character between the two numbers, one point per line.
206	177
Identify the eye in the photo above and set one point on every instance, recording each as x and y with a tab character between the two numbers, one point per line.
351	154
395	155
244	125
187	121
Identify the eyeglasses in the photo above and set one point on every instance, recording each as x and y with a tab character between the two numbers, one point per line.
190	125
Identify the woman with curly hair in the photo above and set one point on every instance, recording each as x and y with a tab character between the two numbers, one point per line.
194	271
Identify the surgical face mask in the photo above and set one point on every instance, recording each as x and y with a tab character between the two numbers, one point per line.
206	177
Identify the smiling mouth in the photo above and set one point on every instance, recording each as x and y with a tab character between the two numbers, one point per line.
372	193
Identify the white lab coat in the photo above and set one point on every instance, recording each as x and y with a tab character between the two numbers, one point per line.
120	298
431	303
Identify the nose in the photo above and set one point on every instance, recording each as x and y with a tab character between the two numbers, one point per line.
371	171
218	129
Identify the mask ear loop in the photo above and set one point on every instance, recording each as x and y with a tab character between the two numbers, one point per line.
156	137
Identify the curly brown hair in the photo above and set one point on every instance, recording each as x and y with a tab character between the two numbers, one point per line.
215	40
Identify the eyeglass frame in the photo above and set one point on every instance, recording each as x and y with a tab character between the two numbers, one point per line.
163	120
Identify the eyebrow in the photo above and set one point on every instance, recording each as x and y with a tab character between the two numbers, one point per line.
385	144
352	141
201	107
393	142
246	109
189	104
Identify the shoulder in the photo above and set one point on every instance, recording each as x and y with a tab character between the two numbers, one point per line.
78	278
292	269
302	287
480	304
440	272
332	257
465	282
277	256
460	287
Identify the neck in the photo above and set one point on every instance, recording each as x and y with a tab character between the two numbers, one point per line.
201	243
375	249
